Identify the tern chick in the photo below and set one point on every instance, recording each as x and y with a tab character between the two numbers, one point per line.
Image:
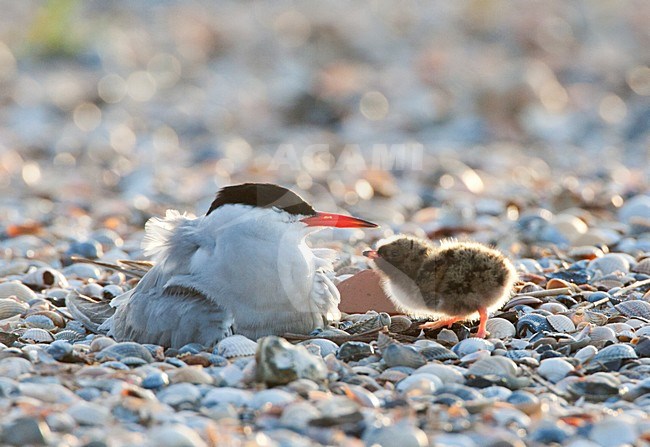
455	281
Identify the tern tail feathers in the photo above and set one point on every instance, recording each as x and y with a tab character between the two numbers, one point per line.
92	313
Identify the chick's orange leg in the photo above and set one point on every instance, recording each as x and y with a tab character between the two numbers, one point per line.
482	311
440	323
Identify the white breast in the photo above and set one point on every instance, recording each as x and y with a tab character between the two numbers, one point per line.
261	269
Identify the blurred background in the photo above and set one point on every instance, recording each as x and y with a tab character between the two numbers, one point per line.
397	111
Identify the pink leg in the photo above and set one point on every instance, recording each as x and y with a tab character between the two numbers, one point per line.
440	323
482	311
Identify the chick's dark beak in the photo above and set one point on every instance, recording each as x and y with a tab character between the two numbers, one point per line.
371	254
336	220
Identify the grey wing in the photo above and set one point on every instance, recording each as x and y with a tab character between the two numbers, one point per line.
173	318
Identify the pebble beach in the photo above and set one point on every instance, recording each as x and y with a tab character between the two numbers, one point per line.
527	129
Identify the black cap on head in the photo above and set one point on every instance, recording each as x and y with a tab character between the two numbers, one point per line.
262	195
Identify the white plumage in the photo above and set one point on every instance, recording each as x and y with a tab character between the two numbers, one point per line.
239	269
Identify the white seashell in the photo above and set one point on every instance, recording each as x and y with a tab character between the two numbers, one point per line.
92	289
619	328
10	307
57	318
14	367
554	308
494	366
392	375
402	355
236	346
56	293
364	325
561	323
473	344
419	384
37	335
585	252
15	267
610	263
474	357
76	326
400	323
426	343
608	283
634	308
645	330
625	335
40	321
588	316
519	354
17	289
636	323
585	354
325	346
119	351
82	271
500	328
100	342
446	373
363	397
190	374
447	335
45	277
554	369
67	335
602	333
615	352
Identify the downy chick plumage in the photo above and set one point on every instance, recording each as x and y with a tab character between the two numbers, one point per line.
454	281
